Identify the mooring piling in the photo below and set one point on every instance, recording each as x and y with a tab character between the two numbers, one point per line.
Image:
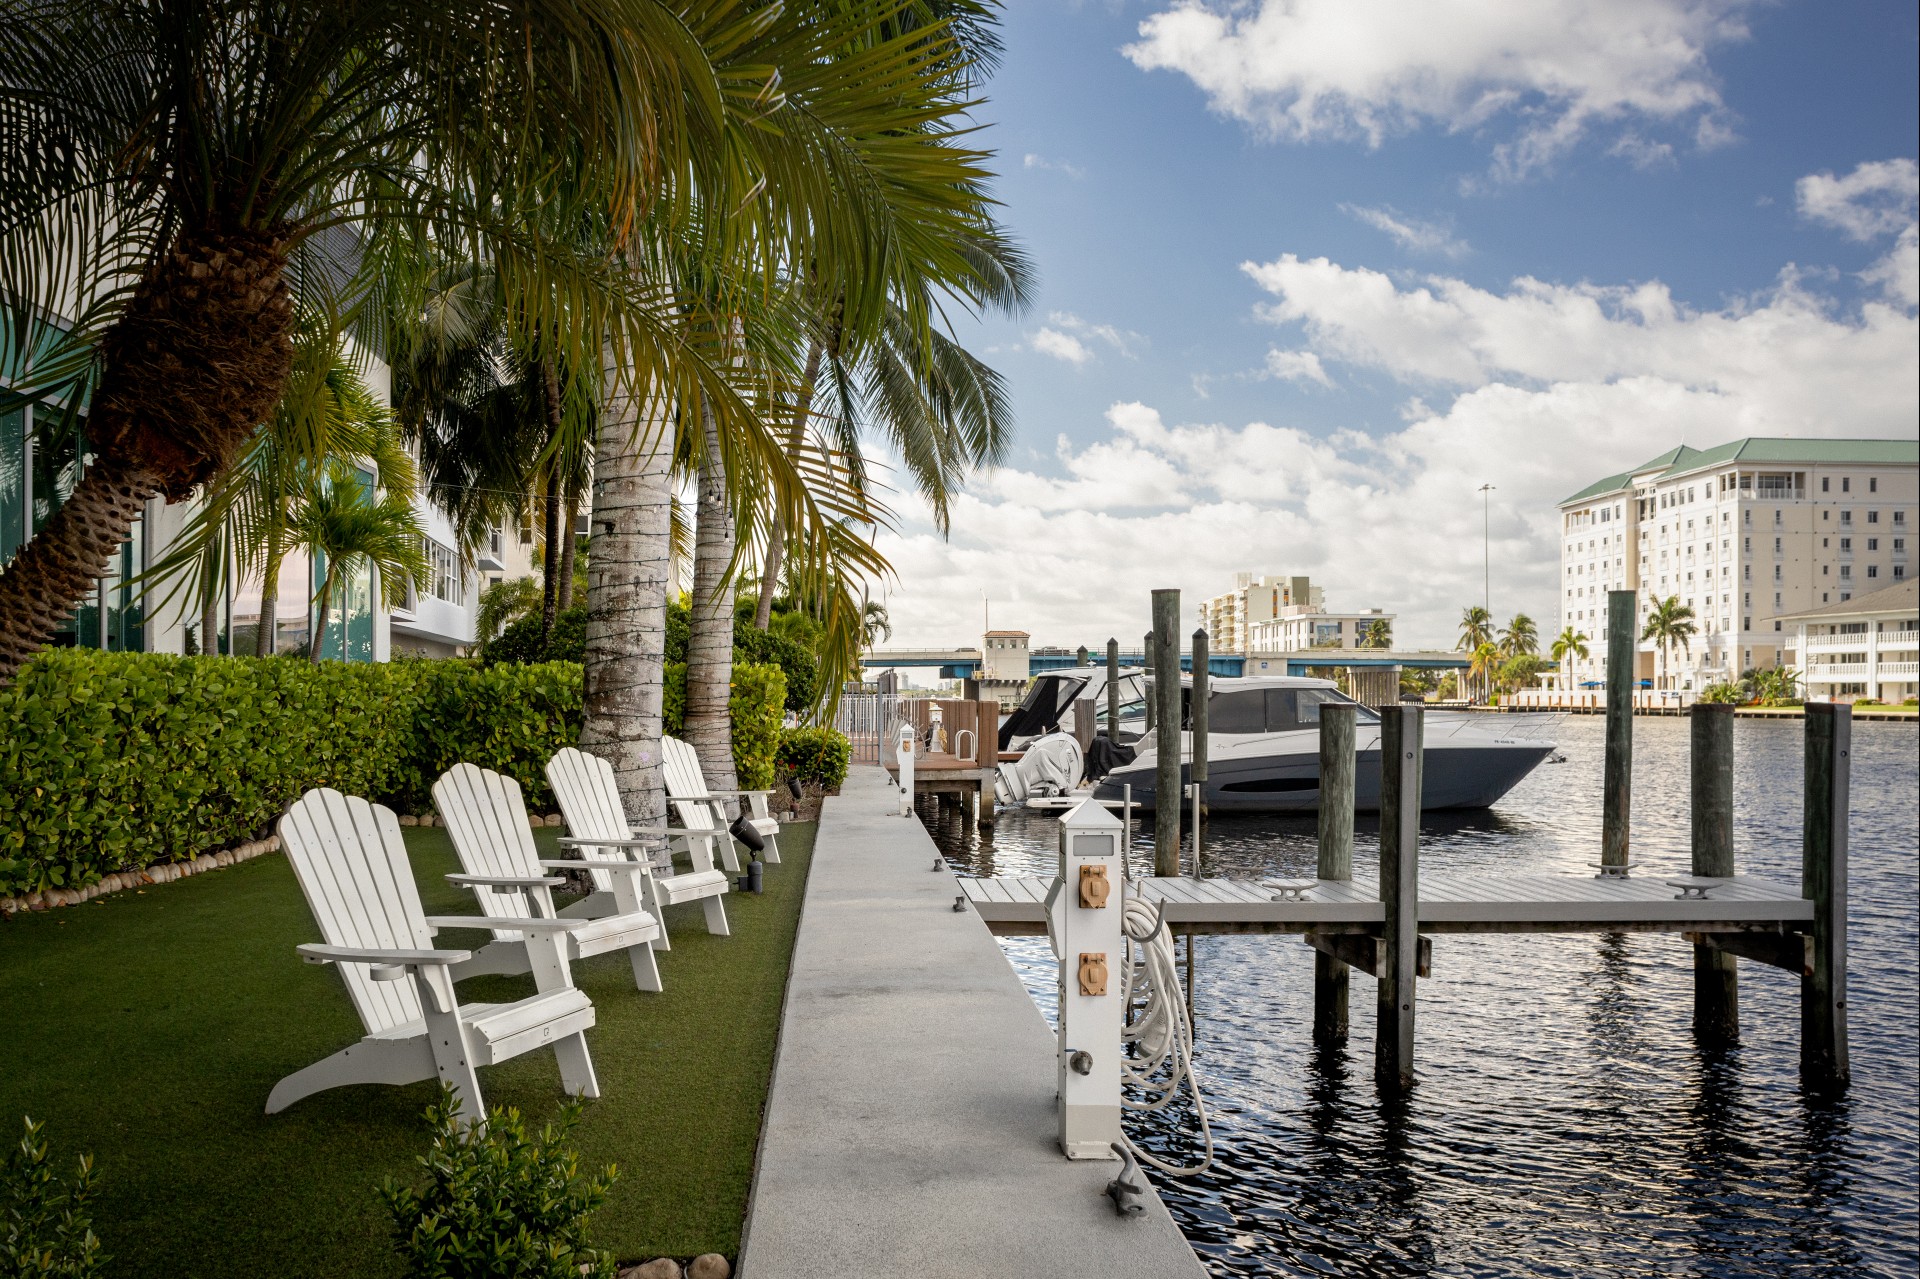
1716	974
1401	739
1113	692
1617	796
1823	880
1336	860
1165	655
1197	722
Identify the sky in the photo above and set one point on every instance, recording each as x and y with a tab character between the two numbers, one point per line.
1312	272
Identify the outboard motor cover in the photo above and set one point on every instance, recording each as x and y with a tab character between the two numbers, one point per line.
1052	765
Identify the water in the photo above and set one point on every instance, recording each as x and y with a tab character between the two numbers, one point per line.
1565	1122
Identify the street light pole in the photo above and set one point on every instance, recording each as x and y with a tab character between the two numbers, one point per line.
1486	552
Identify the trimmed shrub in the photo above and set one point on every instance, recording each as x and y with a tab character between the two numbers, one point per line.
520	641
817	755
45	1228
795	661
753	705
498	1203
124	760
1723	694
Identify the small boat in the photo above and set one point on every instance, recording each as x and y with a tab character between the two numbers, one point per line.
1263	751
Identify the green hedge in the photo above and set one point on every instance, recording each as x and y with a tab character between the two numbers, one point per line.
758	692
112	760
818	755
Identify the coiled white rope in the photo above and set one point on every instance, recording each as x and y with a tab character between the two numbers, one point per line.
1161	1031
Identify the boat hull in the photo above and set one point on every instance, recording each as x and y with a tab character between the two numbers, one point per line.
1456	775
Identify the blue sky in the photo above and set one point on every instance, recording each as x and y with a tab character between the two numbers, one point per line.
1312	272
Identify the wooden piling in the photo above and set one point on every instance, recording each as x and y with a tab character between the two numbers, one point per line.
1616	801
1166	695
1336	861
1113	691
1197	729
1400	766
987	735
1716	973
1823	879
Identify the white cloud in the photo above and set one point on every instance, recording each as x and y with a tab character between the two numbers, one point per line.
1304	69
1641	153
1062	346
1294	366
1876	199
1410	233
1898	273
1537	389
1042	163
1067	337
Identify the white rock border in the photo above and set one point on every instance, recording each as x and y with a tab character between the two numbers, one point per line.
164	873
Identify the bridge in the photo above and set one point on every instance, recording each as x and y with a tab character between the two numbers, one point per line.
967	663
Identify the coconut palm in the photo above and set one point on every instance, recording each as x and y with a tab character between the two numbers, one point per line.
1378	634
875	626
1567	646
180	171
1485	663
1520	638
1476	628
1669	624
344	523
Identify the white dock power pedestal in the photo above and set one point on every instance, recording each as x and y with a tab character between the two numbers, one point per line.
1083	920
903	754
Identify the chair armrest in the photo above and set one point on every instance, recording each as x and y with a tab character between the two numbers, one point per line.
701	831
731	793
437	922
630	868
320	953
507	881
579	841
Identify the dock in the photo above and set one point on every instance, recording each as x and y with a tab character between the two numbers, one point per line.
911	1128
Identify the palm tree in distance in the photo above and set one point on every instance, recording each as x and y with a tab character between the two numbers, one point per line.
1378	634
1570	644
1669	624
1476	628
1520	638
342	520
1486	660
874	623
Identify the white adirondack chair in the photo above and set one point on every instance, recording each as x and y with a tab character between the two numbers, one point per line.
597	828
352	867
486	815
701	808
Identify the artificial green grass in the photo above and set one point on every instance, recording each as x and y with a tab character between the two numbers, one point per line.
148	1029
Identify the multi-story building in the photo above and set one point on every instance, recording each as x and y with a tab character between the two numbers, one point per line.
1866	647
1301	627
1229	618
1746	535
1004	663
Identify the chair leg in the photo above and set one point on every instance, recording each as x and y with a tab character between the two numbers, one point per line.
576	1066
646	972
371	1061
771	853
507	958
658	909
453	1062
728	858
716	910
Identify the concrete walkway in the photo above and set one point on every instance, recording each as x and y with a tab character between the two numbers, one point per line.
911	1129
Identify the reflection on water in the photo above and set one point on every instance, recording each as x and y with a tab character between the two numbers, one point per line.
1565	1121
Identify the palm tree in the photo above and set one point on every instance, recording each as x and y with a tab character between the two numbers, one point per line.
1570	644
709	721
875	626
344	522
1378	634
1476	628
178	195
1520	638
1670	623
1486	661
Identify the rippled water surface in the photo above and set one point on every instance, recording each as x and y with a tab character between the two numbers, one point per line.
1564	1122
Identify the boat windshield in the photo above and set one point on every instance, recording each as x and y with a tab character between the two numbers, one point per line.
1275	710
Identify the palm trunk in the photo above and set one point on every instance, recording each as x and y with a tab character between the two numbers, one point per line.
567	548
777	535
550	564
195	362
710	625
210	623
266	638
627	595
319	639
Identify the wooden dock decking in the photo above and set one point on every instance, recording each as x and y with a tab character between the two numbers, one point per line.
1016	906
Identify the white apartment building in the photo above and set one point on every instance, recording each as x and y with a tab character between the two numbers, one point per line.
1747	535
1866	647
1302	627
1229	618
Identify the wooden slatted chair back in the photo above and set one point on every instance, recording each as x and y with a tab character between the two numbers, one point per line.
352	867
486	815
680	764
589	796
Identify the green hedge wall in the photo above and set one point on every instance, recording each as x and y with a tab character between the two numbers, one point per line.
112	760
818	755
753	704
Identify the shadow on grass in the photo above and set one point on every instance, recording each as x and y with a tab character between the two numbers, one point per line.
148	1029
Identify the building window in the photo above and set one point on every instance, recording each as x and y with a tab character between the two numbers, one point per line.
1873	517
1873	484
1899	572
1846	517
1873	570
1825	484
1846	484
1846	544
1873	544
445	581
